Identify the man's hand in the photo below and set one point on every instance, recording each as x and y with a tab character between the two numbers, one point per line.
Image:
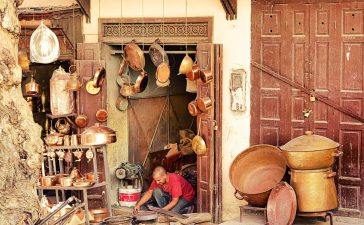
136	208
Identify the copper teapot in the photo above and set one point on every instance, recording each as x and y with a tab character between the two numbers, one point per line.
75	174
52	138
73	84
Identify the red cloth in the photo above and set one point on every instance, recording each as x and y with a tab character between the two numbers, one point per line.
176	186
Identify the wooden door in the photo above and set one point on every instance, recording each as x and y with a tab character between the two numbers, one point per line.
205	123
320	46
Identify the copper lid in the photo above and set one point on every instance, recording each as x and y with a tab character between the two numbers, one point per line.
309	142
98	129
282	205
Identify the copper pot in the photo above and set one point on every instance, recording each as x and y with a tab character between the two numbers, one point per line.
52	138
206	76
315	189
66	181
134	56
204	103
48	181
194	74
74	140
121	103
91	176
98	135
193	109
255	171
311	152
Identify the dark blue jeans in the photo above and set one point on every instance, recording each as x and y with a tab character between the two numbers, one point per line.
161	199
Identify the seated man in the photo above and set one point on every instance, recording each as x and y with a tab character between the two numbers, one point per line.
169	191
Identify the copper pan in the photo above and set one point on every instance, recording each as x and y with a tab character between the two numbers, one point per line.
122	67
255	171
194	73
99	77
134	56
163	72
141	82
81	120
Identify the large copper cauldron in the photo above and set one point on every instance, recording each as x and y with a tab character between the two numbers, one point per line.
310	152
255	171
315	189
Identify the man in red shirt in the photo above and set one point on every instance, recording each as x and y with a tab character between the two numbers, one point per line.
170	191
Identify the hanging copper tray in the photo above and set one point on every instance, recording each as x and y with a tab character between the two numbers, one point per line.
134	56
282	205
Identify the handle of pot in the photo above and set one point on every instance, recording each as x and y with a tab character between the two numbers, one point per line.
239	196
338	154
330	175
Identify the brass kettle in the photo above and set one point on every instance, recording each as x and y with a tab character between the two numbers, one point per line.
32	88
63	126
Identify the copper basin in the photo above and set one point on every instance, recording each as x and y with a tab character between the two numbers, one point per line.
255	171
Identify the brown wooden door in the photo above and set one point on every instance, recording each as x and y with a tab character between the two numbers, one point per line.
320	46
205	123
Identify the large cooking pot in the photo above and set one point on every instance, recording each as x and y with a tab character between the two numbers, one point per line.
98	135
255	171
315	189
310	152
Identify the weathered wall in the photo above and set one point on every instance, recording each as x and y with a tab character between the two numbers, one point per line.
235	37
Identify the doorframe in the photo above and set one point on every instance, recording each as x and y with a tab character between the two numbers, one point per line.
176	37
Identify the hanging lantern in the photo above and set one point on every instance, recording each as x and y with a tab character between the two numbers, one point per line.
32	88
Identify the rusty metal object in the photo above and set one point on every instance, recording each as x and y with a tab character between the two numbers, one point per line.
282	205
310	152
255	171
315	189
134	56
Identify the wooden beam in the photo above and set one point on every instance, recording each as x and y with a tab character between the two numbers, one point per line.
85	7
230	7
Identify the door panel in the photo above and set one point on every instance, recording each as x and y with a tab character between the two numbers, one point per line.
319	46
205	121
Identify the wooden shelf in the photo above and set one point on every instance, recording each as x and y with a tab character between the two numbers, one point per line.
75	146
72	188
66	116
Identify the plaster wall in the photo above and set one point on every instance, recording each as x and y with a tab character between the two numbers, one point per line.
235	37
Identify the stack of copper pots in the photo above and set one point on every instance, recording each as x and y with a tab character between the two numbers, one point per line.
310	158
